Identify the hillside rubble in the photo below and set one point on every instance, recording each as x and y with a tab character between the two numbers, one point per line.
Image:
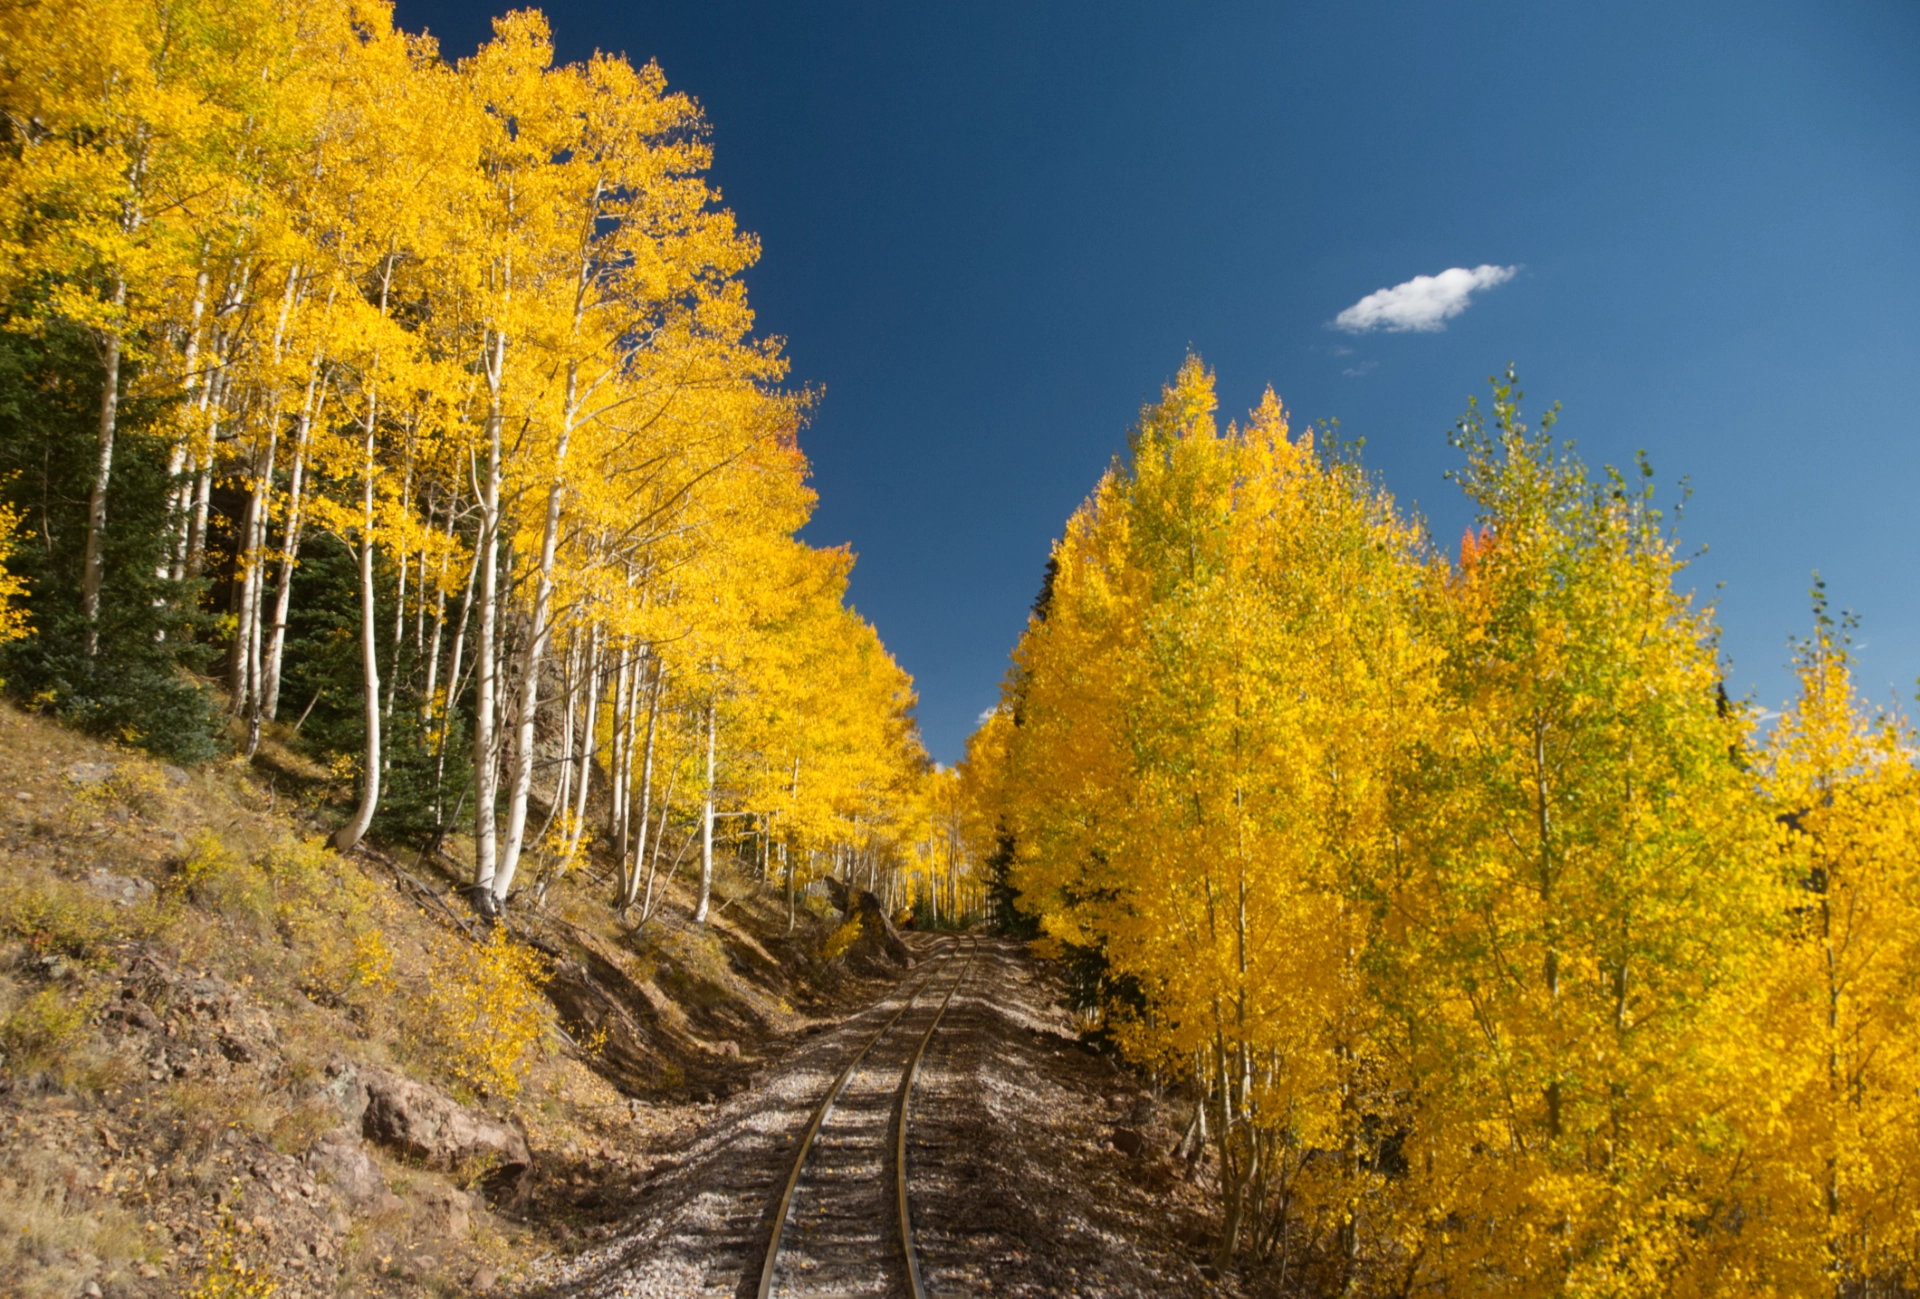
227	1057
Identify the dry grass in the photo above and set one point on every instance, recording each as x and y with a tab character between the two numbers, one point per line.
55	1232
347	966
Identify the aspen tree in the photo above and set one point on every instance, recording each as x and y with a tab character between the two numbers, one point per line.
133	132
1832	1060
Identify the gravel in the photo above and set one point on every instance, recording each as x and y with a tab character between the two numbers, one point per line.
1015	1185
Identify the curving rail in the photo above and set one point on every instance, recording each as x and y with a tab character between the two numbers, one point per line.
900	1132
783	1207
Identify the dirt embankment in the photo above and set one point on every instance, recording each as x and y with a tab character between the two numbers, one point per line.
230	1059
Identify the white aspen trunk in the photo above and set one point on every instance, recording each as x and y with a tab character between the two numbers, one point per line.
706	827
351	833
646	782
399	600
569	685
247	694
791	860
628	728
589	715
312	406
618	794
431	650
420	605
185	458
619	775
454	688
659	837
215	403
456	655
203	480
485	779
540	633
93	575
177	459
247	638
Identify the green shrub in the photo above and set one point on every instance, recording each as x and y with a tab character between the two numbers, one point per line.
54	918
46	1030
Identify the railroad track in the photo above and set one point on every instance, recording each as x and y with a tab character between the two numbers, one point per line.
904	1257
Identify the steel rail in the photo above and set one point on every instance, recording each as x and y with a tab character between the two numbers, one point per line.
785	1206
914	1286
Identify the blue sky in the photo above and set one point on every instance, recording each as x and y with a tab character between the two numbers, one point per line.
992	230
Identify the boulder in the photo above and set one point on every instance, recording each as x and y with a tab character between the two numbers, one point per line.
123	889
339	1159
346	1092
90	773
426	1124
445	1212
879	944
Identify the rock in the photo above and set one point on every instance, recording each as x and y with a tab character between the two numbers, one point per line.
91	1289
340	1159
346	1092
482	1281
428	1125
134	1013
90	773
879	943
731	1050
248	1036
1129	1142
444	1211
123	889
173	773
206	998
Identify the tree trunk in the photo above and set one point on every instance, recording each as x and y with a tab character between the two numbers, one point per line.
311	409
399	599
94	574
646	778
791	860
351	833
653	857
486	688
706	828
589	714
540	634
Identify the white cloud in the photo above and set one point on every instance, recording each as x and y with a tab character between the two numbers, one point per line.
1424	303
985	713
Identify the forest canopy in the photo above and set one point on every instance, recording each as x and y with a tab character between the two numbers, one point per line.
409	413
1501	952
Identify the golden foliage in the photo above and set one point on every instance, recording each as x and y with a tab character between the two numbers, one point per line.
229	1272
481	318
841	940
56	920
484	1012
43	1030
13	587
1502	958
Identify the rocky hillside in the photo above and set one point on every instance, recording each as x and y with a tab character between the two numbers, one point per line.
236	1063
